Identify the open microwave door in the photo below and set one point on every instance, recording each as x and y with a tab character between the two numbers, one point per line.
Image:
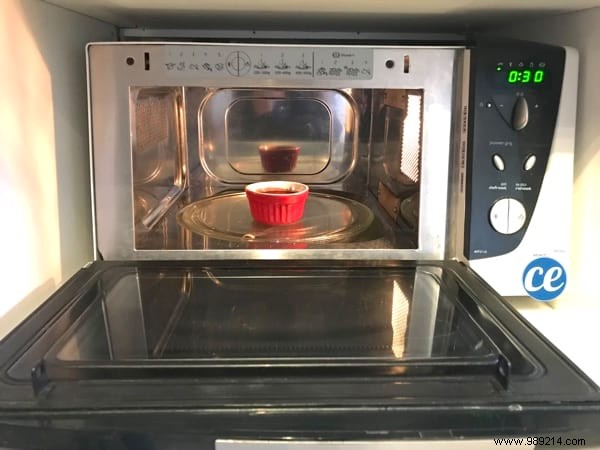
354	350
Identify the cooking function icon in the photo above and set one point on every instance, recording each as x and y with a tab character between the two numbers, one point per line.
261	65
302	65
238	63
282	65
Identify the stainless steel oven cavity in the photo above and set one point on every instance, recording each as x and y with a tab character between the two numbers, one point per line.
177	137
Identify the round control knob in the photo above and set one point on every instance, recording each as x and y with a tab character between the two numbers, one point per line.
520	114
507	216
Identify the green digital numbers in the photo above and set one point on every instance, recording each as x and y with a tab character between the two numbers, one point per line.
525	76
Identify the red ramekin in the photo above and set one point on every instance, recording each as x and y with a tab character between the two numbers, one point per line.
277	202
279	158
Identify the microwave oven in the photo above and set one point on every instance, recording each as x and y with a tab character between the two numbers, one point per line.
434	173
450	152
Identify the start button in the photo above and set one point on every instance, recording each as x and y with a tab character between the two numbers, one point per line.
507	215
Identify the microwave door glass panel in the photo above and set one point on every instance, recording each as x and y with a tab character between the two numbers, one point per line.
213	316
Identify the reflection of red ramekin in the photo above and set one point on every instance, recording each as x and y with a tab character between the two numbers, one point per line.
278	158
277	202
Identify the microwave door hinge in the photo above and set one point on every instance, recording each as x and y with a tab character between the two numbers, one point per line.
402	207
389	201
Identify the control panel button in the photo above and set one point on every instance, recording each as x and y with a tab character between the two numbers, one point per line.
498	162
516	215
507	216
529	162
499	216
520	114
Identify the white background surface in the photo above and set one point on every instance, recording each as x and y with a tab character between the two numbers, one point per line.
45	229
398	15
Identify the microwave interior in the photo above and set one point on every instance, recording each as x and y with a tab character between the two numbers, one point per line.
359	150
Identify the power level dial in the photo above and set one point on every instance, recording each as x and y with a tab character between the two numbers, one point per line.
520	114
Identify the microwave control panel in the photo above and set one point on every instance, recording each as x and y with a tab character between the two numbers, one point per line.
515	94
269	62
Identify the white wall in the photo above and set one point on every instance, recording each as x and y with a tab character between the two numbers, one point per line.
45	223
582	31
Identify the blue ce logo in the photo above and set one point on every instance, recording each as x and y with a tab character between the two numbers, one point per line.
544	279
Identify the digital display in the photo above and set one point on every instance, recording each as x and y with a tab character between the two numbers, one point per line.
525	76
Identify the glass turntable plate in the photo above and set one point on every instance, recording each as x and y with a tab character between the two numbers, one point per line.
327	218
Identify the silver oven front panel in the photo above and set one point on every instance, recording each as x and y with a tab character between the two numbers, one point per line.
117	70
